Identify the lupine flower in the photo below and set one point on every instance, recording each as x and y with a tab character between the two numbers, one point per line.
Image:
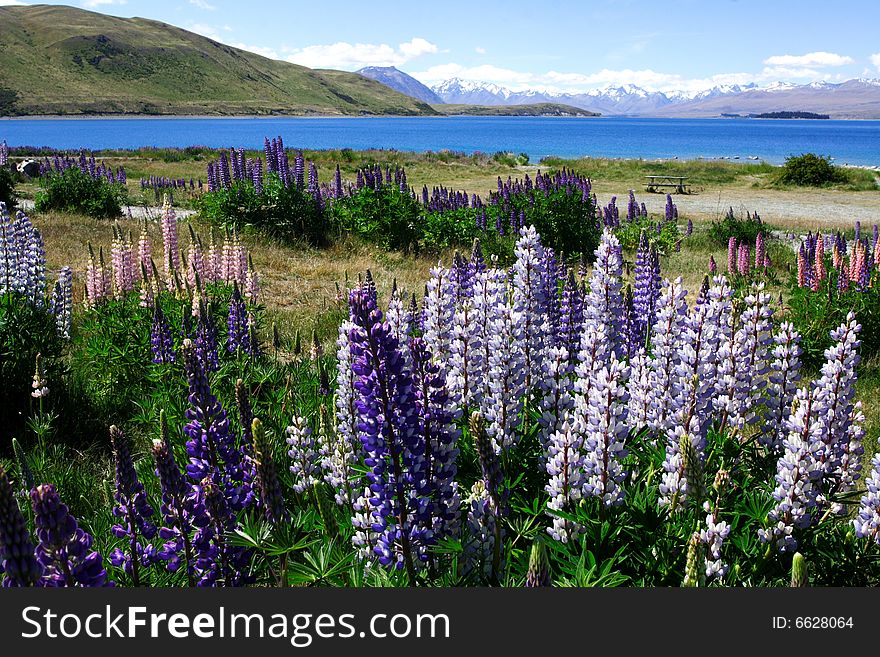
646	292
671	318
238	336
389	432
556	388
571	319
161	343
266	483
122	261
603	304
743	260
744	356
713	537
61	303
39	385
800	572
479	536
566	467
171	244
506	377
490	290
304	454
798	475
217	561
337	464
63	549
530	327
760	251
439	313
211	445
181	508
16	547
782	383
731	256
437	414
133	510
694	574
713	267
605	433
867	522
538	573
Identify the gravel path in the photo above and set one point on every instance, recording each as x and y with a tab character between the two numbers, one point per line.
781	208
134	211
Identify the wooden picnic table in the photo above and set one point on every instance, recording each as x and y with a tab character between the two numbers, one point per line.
678	182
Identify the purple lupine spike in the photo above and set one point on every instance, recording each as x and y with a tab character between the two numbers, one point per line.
218	562
797	475
438	415
134	511
744	361
646	291
64	549
604	302
61	303
531	327
161	342
439	313
607	430
731	256
206	341
182	511
571	318
338	462
210	444
304	454
392	441
239	335
16	547
783	380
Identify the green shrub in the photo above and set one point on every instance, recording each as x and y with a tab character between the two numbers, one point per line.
629	232
810	170
384	216
287	213
73	190
442	230
7	187
744	230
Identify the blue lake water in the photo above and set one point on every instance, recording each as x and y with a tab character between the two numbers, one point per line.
852	142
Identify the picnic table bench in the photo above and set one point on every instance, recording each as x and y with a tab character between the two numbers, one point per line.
678	182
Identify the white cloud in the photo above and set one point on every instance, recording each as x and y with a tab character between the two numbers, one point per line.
343	55
819	58
91	4
210	31
202	4
875	60
480	50
648	79
259	50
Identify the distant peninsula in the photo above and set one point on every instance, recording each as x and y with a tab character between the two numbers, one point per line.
776	115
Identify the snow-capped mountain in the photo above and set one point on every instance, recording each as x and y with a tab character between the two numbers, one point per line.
400	81
858	98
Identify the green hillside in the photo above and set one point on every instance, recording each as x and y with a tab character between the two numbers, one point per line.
61	60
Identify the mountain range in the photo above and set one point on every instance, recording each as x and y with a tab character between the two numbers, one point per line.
853	99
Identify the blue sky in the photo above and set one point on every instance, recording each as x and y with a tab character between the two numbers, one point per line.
558	45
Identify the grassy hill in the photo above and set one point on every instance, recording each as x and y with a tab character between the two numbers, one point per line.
61	60
532	109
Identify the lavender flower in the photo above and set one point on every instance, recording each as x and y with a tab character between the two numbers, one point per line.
603	304
238	336
785	374
437	414
304	454
64	549
606	432
211	446
531	327
133	510
218	562
161	343
867	522
389	432
16	547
